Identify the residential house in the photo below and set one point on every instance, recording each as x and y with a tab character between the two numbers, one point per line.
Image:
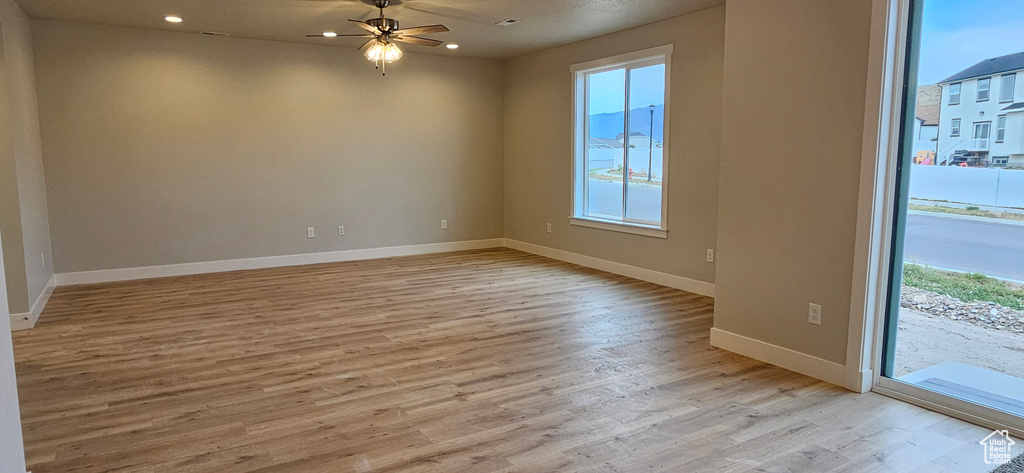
926	127
638	140
604	143
982	114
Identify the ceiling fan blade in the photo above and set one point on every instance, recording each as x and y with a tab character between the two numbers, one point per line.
363	25
418	40
421	30
341	36
366	44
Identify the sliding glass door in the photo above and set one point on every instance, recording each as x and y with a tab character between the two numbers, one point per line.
954	328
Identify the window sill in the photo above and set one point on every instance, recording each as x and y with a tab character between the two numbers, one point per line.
624	227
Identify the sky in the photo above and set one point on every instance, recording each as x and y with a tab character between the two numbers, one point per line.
647	88
957	34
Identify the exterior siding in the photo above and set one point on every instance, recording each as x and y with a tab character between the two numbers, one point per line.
970	112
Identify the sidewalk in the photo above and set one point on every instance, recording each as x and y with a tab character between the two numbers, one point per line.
1000	221
960	205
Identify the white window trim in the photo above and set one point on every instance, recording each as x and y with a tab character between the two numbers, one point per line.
959	93
988	90
1013	86
619	226
576	215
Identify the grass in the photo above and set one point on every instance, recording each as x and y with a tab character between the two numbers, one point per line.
970	210
966	287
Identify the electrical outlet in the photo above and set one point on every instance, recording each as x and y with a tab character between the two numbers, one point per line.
814	314
310	232
444	224
341	230
711	256
549	228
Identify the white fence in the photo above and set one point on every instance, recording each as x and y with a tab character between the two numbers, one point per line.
978	186
612	158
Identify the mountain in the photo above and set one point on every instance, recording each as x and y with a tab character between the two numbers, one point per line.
609	125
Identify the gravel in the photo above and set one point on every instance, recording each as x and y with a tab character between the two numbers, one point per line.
982	314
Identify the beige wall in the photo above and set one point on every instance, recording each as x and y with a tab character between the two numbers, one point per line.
23	207
166	147
793	112
12	452
538	147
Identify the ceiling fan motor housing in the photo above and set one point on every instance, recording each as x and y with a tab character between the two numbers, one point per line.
383	24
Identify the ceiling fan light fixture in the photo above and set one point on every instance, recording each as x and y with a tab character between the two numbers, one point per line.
392	53
383	51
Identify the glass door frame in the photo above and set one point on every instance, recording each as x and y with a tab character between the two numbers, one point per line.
883	203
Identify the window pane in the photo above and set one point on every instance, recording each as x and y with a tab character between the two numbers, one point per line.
646	135
606	104
1006	88
981	130
954	94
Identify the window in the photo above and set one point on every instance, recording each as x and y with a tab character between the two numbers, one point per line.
955	130
620	142
954	94
981	134
983	88
1006	85
1000	160
1001	128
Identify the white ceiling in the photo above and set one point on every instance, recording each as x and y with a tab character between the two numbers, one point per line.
544	23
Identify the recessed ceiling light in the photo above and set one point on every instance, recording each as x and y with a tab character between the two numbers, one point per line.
510	21
451	46
173	19
330	34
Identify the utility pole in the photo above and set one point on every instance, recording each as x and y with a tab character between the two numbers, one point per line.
650	152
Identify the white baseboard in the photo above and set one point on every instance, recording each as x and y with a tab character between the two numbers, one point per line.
663	279
860	381
28	320
21	321
782	357
150	272
25	321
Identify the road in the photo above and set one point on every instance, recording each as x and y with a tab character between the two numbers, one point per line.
983	246
644	200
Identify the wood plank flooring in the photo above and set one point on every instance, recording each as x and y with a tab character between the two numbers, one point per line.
481	361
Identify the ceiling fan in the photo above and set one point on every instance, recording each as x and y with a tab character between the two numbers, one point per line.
383	33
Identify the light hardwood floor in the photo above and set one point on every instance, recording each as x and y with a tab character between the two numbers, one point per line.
482	361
